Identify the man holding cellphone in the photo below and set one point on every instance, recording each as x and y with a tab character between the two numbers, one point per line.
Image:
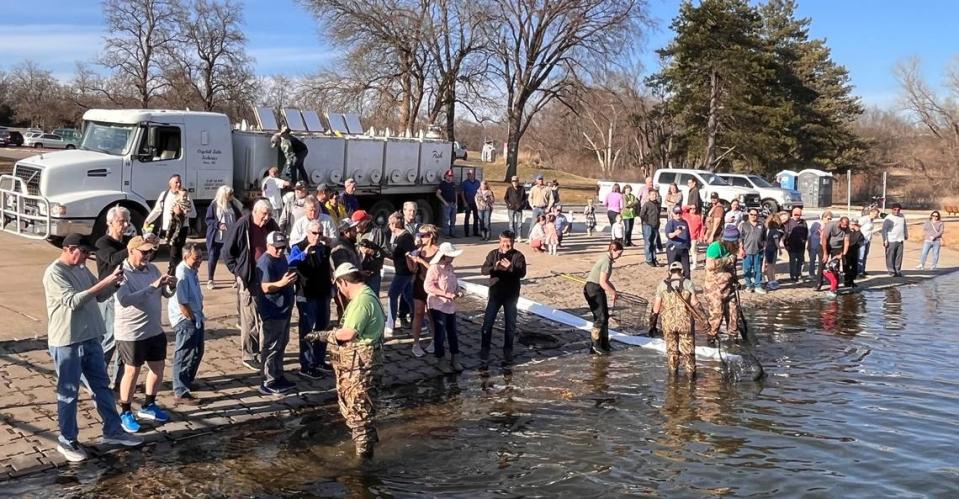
678	241
275	305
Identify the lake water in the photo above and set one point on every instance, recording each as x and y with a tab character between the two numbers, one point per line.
861	400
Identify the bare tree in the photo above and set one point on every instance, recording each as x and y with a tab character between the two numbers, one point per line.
455	39
539	46
142	33
213	59
35	94
937	116
391	32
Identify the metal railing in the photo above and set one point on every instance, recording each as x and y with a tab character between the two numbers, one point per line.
24	214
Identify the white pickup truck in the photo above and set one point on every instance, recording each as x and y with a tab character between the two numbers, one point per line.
708	183
773	198
126	157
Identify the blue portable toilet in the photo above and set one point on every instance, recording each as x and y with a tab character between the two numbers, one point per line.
787	179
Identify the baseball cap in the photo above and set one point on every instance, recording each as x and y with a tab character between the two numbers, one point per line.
139	243
677	209
345	224
344	268
514	178
80	241
675	266
276	239
360	215
446	249
300	186
539	177
730	233
714	195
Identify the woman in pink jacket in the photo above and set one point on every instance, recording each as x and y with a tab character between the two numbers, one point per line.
442	288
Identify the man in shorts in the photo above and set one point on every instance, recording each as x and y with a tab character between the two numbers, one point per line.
138	332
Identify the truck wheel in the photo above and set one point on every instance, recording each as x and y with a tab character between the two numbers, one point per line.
381	212
424	212
70	146
770	205
726	204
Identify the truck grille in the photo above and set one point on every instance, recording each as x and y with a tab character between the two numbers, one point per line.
30	176
751	199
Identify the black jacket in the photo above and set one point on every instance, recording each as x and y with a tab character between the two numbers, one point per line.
649	214
236	249
505	283
515	198
110	254
313	273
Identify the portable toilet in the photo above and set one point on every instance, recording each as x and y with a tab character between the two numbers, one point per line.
815	186
787	179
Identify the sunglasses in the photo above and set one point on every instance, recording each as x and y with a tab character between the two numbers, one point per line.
147	252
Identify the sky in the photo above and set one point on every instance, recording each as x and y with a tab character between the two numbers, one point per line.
868	37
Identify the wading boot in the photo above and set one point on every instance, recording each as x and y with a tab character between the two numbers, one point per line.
597	345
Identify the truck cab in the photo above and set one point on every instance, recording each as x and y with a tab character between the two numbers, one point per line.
124	157
772	198
708	182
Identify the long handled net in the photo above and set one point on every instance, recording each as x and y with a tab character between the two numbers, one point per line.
629	314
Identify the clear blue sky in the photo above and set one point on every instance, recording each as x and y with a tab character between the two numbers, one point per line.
867	36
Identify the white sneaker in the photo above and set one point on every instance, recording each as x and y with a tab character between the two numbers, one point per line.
920	267
125	439
430	349
388	333
210	285
759	290
72	451
418	350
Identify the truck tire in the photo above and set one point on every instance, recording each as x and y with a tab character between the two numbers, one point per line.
137	217
425	212
381	211
771	205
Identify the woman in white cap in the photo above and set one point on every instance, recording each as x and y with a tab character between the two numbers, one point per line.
442	288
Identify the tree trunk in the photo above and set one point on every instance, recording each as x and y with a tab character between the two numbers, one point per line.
450	114
712	123
512	146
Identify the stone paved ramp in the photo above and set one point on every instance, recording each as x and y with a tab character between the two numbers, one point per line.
28	403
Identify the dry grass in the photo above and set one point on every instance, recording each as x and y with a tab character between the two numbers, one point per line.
950	238
574	189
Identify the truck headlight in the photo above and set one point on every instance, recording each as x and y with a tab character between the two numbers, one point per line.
56	210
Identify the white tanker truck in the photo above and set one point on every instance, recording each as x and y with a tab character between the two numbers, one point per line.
127	156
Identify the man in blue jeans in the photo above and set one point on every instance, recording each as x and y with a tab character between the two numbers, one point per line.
468	194
75	329
515	199
752	238
506	267
185	312
446	193
313	276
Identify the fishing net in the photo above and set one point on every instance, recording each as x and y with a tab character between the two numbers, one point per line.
630	315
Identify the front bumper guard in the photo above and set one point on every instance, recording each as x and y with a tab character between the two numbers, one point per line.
24	214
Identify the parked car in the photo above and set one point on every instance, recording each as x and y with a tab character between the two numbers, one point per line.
34	130
48	140
11	138
70	135
772	198
459	151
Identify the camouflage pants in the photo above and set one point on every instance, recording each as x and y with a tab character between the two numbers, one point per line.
721	303
680	344
357	381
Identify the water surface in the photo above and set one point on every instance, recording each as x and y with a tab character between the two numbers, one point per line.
861	401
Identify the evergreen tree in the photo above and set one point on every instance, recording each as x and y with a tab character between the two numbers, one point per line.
714	73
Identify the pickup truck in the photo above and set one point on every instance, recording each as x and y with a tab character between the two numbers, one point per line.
708	182
773	198
126	157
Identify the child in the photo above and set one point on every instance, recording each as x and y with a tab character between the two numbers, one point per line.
178	222
551	238
537	234
590	213
618	231
562	224
831	274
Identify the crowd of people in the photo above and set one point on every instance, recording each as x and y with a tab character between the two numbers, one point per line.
314	250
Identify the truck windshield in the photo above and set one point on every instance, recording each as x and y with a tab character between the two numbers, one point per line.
109	138
760	182
713	179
